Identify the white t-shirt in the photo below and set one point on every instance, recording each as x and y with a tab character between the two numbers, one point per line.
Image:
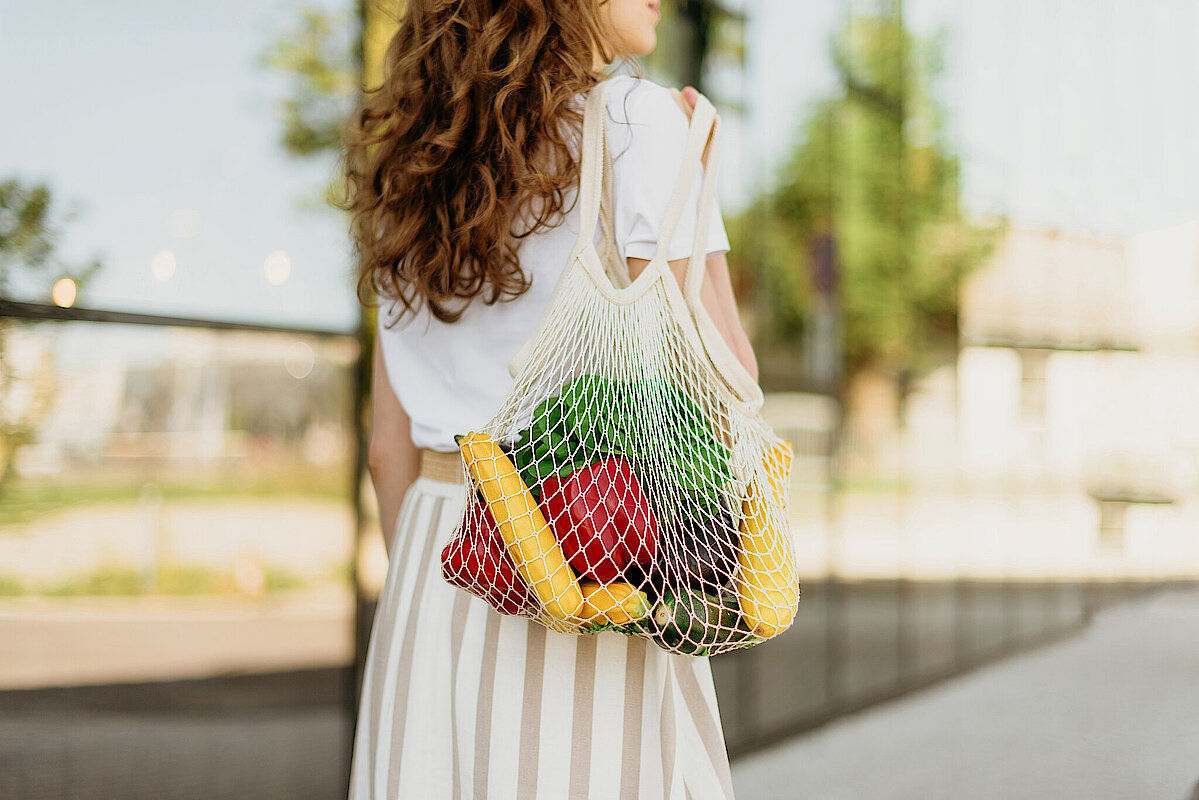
451	378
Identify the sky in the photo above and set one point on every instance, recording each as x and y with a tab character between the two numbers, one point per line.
1078	114
157	122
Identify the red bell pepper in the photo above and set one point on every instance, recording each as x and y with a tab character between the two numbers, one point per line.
601	518
478	561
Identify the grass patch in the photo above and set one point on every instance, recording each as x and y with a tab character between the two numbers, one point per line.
340	571
186	580
12	587
105	581
172	580
278	579
25	501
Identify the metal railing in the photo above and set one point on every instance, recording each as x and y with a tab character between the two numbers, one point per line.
153	708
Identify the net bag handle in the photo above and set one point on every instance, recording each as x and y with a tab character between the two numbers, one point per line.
608	251
591	167
592	185
703	147
703	121
595	186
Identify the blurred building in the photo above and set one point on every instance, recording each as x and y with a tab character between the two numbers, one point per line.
206	398
1077	375
1062	432
1061	337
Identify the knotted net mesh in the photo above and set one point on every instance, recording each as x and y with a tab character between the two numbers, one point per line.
625	484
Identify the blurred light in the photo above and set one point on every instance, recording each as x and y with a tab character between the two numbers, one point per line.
64	292
300	360
248	573
162	265
184	223
277	267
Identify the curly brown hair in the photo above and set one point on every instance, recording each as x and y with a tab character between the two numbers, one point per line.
465	148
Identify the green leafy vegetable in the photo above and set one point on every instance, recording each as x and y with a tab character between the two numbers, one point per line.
594	417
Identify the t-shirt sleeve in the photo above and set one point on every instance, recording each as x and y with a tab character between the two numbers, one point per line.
647	135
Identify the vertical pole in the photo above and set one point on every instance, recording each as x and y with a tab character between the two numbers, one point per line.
697	17
357	396
905	599
363	616
377	26
836	629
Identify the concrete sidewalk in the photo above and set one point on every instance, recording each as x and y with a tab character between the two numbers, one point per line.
1112	714
71	641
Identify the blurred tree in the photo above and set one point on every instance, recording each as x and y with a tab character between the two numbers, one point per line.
690	35
29	237
869	206
331	58
317	54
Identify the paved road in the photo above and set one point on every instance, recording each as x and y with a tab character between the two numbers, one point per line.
1112	714
276	755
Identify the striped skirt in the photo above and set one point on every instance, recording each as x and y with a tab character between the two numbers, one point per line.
459	701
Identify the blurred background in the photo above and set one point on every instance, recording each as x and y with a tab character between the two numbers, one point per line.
965	243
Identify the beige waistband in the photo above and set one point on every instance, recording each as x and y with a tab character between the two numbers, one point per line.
441	466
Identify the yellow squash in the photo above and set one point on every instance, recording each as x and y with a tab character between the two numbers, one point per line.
527	534
617	602
766	585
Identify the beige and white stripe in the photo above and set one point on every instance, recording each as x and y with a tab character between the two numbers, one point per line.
461	703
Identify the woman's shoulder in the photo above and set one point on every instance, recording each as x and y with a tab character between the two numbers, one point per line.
639	104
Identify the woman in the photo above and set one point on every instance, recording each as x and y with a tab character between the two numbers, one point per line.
462	172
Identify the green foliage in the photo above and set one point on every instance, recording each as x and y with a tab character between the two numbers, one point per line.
30	230
277	579
318	57
872	168
340	571
25	235
179	579
119	580
29	236
593	418
26	501
105	581
693	34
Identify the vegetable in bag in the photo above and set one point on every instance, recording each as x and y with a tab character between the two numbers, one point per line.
478	561
526	533
641	490
601	518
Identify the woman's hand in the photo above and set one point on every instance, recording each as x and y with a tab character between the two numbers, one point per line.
687	97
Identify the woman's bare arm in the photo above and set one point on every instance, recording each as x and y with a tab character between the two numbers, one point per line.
717	297
718	278
392	458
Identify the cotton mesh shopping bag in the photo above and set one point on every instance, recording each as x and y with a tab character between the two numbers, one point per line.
628	481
